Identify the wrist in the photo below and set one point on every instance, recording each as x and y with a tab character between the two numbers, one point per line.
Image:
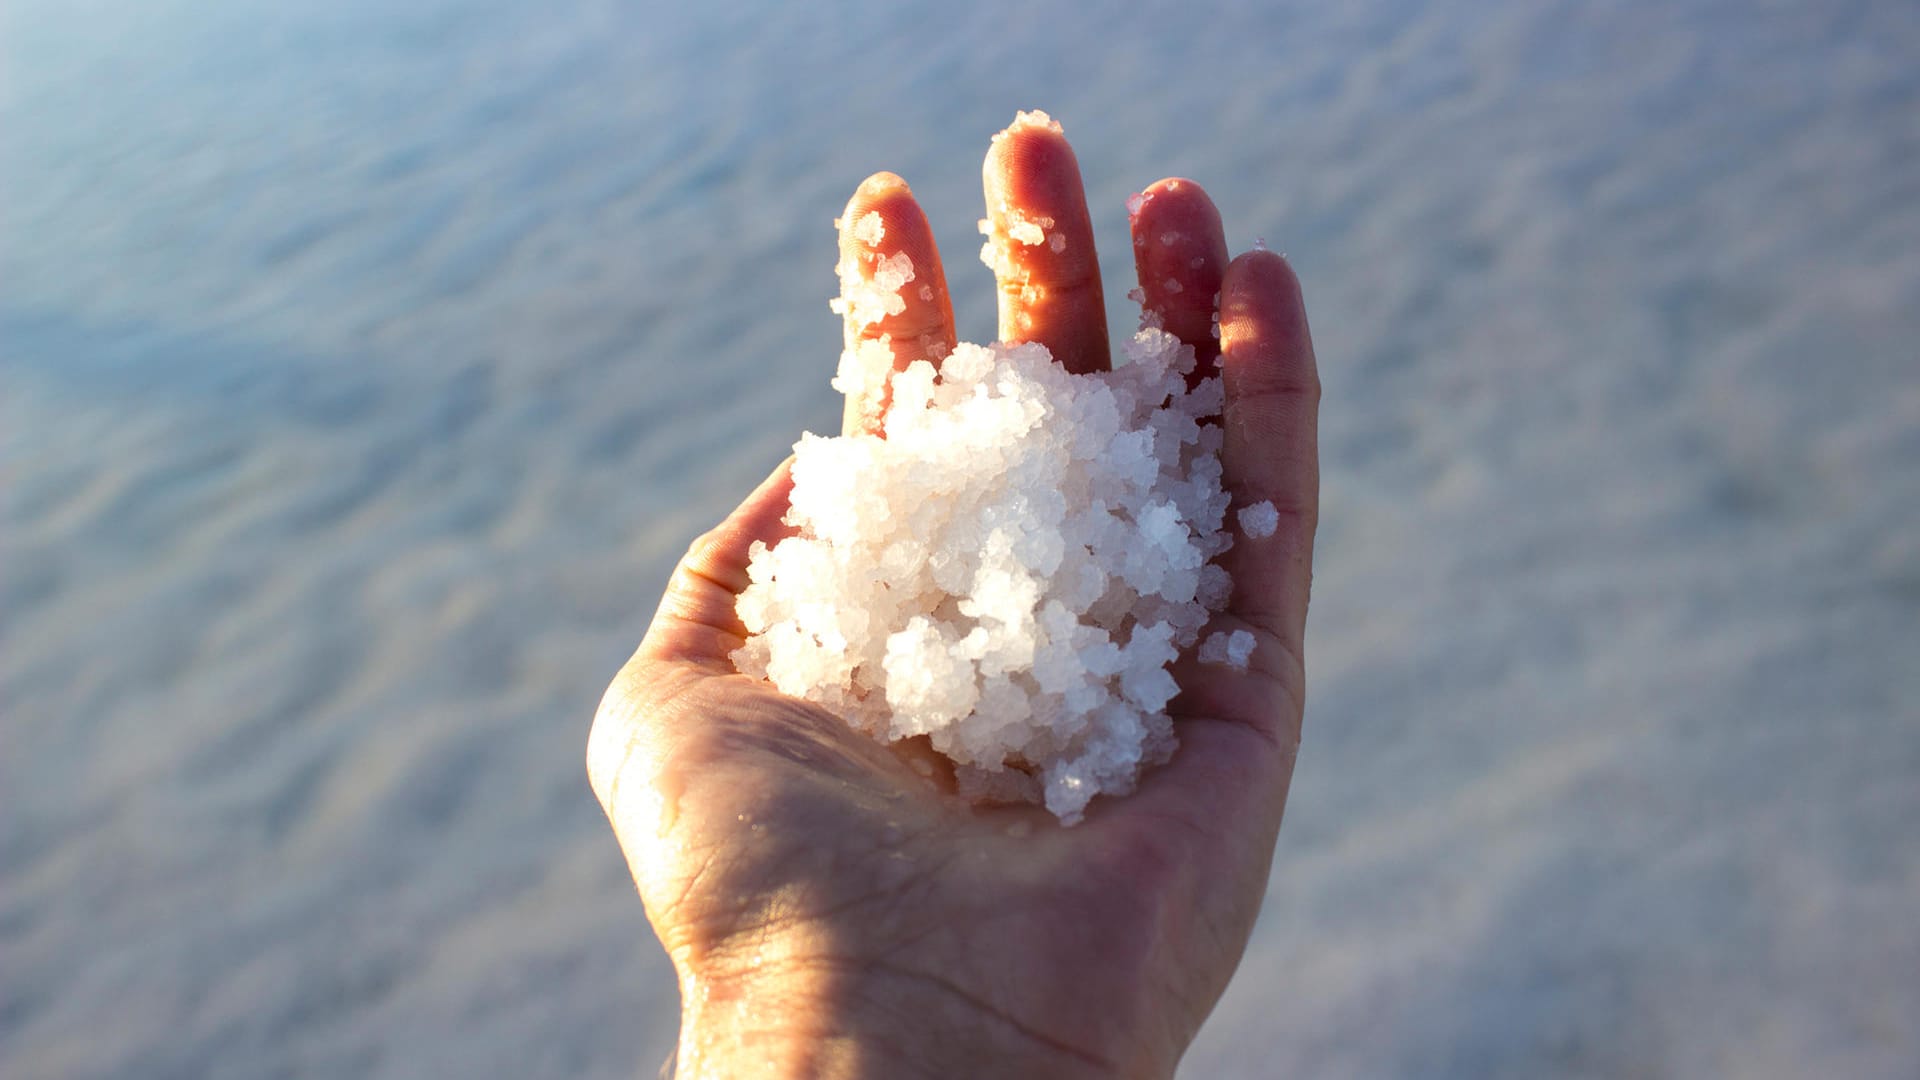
775	1027
844	1019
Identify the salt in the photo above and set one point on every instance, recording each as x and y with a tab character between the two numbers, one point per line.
1024	231
1008	562
1032	118
1233	649
1259	520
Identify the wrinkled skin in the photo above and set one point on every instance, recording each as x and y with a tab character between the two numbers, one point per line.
831	907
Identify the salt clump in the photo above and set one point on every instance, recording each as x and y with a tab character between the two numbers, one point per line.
1232	649
1011	568
1259	520
870	229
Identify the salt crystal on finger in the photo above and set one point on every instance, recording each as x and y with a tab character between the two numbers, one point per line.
1259	520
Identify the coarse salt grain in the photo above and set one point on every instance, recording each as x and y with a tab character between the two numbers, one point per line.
1259	520
1231	648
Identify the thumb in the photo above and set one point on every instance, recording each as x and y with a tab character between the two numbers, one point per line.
696	620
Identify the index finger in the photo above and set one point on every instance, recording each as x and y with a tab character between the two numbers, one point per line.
893	293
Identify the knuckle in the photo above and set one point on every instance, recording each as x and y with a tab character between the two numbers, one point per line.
700	551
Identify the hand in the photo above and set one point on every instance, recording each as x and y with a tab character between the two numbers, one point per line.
833	910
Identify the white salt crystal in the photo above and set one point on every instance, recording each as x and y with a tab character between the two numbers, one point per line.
865	301
1022	231
863	372
1215	587
1058	242
1018	228
869	230
1171	285
1214	649
1234	649
1167	238
1259	520
1011	568
1240	649
1034	118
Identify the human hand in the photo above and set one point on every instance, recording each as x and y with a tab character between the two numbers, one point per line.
833	910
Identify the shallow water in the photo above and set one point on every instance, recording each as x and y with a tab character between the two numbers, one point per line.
363	367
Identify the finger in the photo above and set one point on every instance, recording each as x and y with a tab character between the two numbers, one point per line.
1180	253
1040	244
884	233
1270	455
696	620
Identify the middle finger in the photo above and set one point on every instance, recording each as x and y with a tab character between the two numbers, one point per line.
1040	244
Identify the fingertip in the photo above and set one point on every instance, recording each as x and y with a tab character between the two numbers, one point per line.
1263	268
1174	222
1180	254
1173	195
884	193
880	182
1262	308
900	224
1034	146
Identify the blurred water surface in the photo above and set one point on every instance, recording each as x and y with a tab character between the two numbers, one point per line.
364	366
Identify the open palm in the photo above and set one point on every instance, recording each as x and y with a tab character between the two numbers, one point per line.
831	906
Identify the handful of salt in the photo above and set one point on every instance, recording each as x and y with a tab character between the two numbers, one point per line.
1012	568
